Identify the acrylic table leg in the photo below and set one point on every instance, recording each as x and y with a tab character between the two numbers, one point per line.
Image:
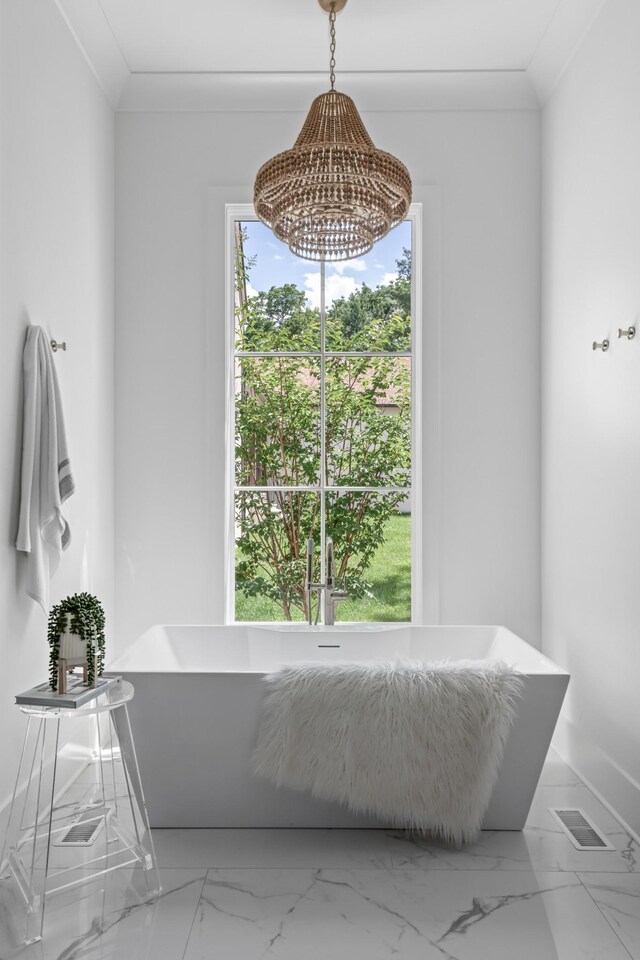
142	829
9	840
23	847
102	790
21	838
41	848
113	748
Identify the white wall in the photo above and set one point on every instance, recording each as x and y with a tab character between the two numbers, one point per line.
591	403
56	265
170	499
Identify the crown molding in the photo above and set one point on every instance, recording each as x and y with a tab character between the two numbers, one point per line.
280	92
91	31
570	24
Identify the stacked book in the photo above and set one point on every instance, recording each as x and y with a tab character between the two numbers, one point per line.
78	692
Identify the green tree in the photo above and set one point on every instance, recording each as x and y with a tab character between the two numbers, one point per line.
278	443
404	265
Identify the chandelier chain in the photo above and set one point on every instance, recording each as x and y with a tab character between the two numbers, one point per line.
332	30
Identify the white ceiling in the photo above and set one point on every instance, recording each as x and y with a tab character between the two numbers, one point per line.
160	36
243	54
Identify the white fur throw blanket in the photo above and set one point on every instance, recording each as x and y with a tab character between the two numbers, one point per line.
417	744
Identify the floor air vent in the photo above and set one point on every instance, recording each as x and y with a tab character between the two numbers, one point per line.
583	834
85	830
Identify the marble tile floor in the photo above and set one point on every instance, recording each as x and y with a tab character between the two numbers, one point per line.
349	894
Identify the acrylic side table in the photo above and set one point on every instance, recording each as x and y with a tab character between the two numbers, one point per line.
55	842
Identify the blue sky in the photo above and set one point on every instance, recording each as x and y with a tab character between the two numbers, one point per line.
276	265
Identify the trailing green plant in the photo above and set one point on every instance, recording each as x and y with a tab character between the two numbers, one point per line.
87	621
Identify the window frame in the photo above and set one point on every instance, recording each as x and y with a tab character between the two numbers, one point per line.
245	212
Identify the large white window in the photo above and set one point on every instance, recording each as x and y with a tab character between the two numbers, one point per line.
323	383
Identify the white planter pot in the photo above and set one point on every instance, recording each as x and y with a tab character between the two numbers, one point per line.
72	646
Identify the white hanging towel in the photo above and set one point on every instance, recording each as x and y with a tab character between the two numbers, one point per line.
43	531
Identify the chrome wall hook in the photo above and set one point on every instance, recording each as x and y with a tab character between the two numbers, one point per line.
55	346
629	333
604	346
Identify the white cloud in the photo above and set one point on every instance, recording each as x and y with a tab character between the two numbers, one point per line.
278	256
358	265
312	288
335	287
389	278
250	290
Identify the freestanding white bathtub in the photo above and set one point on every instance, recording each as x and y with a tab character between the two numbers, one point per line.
197	704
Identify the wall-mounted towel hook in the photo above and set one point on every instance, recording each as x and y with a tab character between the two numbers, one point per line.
55	346
629	333
604	346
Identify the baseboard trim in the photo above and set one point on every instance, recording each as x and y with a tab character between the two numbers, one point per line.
613	787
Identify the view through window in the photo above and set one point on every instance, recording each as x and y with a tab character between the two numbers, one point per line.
323	426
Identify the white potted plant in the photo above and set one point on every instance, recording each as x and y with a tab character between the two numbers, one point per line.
76	636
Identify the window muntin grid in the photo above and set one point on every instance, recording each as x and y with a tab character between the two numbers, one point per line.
324	356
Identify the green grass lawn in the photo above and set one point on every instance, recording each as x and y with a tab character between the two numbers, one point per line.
389	576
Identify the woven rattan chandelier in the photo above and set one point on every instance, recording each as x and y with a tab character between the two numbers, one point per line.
333	195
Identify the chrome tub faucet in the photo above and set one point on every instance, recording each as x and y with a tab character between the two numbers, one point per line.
327	592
